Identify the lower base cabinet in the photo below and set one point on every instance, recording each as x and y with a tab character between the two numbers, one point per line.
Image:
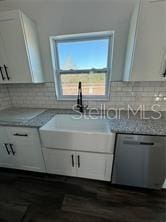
94	165
60	162
20	148
80	164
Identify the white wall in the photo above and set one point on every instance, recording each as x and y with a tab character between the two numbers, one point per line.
57	17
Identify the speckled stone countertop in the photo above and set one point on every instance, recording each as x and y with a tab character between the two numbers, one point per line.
124	123
37	121
149	127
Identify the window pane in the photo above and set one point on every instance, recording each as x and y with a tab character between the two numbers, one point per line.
77	55
92	84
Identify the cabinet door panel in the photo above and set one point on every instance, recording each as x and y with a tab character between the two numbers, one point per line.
15	52
150	45
3	59
94	165
6	160
60	162
28	158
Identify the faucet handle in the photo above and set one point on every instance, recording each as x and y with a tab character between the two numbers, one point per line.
85	107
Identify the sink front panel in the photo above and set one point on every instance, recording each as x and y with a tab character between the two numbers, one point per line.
94	142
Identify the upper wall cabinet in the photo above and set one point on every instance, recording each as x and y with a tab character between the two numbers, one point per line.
146	49
20	60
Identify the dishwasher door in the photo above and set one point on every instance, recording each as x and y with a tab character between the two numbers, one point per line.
139	161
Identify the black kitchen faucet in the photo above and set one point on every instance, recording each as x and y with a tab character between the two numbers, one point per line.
79	98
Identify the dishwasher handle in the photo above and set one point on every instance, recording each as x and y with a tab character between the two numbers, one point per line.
138	143
147	143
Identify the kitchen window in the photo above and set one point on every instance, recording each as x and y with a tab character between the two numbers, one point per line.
86	58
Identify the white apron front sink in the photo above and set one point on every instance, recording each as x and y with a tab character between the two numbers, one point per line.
78	133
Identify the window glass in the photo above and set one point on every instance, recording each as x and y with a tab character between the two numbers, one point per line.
81	55
85	58
92	84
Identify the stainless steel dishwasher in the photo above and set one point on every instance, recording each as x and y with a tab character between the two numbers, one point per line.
139	161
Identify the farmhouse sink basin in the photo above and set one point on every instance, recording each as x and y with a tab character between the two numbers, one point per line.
77	123
78	133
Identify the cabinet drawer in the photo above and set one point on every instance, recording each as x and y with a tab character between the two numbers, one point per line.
22	135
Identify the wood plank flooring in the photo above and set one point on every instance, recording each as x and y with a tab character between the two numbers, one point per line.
31	197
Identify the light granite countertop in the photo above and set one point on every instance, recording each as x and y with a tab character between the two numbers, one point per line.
125	124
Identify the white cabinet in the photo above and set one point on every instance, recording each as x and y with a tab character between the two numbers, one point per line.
60	162
164	185
20	148
81	164
20	60
146	49
26	146
94	165
81	147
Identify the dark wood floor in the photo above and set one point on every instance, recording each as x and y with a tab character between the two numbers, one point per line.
43	198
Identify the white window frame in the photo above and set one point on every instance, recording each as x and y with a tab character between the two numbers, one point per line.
76	37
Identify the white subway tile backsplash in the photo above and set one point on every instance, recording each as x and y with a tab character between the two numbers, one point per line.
122	94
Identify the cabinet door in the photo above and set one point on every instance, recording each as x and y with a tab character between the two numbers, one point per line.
94	165
6	157
60	162
16	59
26	149
164	185
150	48
3	78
